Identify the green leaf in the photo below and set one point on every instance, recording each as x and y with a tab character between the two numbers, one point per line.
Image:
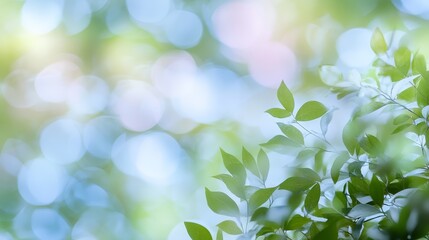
423	91
307	173
292	132
310	111
371	145
285	97
219	235
369	108
197	231
234	185
401	119
402	57
230	227
234	166
305	155
222	204
249	162
281	144
296	222
278	112
376	190
378	44
312	199
338	164
260	197
350	134
402	127
296	184
329	232
263	164
363	211
419	64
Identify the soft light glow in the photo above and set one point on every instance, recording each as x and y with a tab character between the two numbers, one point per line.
41	182
61	141
148	11
154	157
353	47
99	135
41	16
137	105
244	23
88	95
271	63
183	29
77	15
49	224
18	90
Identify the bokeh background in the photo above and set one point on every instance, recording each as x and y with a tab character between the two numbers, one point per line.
112	112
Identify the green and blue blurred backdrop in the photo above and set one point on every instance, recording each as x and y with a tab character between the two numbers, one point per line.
112	112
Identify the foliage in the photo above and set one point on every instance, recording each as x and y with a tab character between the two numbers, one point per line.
372	184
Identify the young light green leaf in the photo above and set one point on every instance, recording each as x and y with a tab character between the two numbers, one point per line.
285	97
378	44
263	164
249	162
402	127
230	227
219	235
222	204
369	108
305	155
260	197
402	57
423	91
376	190
312	198
350	134
419	64
363	211
310	111
291	132
197	231
281	144
338	164
234	166
234	185
330	75
371	145
307	173
296	222
278	112
296	184
401	119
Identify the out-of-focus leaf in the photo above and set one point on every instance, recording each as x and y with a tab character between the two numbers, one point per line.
338	164
264	230
378	44
401	119
423	91
291	132
263	164
369	108
296	222
219	235
376	190
281	144
307	173
278	112
351	132
371	145
197	231
260	197
234	166
312	198
329	232
285	97
310	111
330	75
324	122
419	64
402	57
296	184
222	204
249	162
230	227
363	211
233	185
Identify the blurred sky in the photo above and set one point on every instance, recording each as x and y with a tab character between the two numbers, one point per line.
112	112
